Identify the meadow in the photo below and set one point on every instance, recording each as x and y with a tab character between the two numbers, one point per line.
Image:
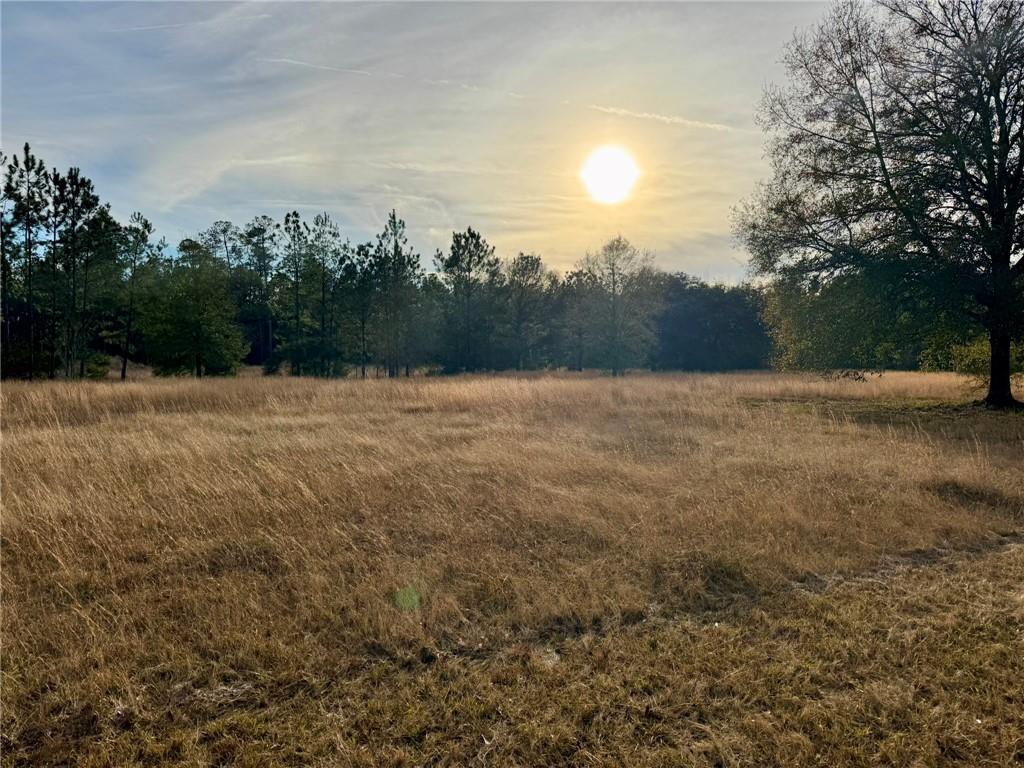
656	570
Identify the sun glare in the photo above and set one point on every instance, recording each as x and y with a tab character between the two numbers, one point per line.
609	174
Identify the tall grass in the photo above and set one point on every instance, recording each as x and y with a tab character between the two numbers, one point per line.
181	554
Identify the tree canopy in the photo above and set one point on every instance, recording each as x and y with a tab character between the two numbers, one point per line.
896	148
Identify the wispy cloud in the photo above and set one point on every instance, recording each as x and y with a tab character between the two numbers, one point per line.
394	75
199	23
303	159
310	65
433	169
666	119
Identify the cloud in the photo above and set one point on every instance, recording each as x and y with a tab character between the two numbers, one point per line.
456	114
392	75
667	119
437	168
618	111
309	65
201	22
303	159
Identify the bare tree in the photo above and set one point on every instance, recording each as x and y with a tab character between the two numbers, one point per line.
617	270
898	141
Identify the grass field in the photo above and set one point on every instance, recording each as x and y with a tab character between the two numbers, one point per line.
657	570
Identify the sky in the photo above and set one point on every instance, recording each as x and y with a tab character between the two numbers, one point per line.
454	114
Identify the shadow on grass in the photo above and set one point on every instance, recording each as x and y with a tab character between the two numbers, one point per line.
958	424
977	497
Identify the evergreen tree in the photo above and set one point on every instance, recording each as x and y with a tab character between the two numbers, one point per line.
81	204
189	322
396	270
26	187
709	327
223	239
6	253
470	271
102	276
364	292
329	260
259	242
525	281
137	247
293	269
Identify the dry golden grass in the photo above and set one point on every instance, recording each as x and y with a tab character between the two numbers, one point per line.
656	570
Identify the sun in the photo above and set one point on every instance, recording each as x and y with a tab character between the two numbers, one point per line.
609	174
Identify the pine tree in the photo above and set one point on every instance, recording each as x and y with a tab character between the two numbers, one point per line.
6	250
26	186
397	274
80	204
259	243
293	269
364	295
137	235
469	270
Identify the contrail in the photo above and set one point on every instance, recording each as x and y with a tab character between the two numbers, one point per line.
667	119
297	63
192	23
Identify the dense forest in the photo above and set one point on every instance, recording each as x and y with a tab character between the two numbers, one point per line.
83	293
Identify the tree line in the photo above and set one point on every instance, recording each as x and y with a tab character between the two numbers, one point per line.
82	291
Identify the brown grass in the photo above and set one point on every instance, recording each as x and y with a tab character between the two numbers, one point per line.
658	570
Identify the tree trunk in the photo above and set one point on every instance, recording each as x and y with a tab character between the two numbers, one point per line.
71	340
323	318
295	328
999	394
31	311
83	331
127	341
53	308
5	332
362	346
268	342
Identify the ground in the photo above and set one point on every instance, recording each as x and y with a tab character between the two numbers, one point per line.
657	570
